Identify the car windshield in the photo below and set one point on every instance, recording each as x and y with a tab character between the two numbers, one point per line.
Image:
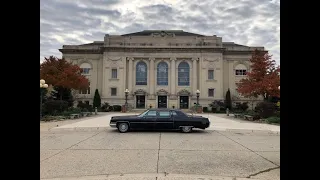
183	113
144	113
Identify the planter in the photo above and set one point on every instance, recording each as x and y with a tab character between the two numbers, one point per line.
124	109
199	109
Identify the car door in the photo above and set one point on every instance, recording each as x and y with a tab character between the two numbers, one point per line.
149	120
164	120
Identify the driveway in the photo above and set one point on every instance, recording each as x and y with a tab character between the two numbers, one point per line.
107	154
88	149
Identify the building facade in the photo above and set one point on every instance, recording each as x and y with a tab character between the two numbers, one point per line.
161	68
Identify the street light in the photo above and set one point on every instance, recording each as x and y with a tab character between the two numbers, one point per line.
43	86
126	94
198	93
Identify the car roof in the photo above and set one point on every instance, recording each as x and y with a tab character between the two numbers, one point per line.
163	109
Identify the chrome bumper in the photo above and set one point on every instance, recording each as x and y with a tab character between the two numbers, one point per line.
113	124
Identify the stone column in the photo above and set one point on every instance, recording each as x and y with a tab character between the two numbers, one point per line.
105	86
173	77
130	77
151	78
194	75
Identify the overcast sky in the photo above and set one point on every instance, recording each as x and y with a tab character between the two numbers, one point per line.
247	22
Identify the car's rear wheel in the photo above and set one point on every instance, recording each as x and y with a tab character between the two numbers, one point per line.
186	129
123	127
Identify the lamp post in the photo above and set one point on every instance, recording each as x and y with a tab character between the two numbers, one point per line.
198	94
126	92
43	86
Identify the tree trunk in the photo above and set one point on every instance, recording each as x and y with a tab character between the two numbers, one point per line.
61	92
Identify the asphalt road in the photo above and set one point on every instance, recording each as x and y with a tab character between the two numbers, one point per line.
107	154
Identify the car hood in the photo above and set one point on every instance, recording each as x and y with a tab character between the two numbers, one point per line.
195	116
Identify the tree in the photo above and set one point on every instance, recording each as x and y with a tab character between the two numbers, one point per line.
263	79
65	94
62	75
228	99
96	99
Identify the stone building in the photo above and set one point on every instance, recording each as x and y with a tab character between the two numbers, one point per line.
161	68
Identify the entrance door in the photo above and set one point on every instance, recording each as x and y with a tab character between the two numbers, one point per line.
141	102
184	102
162	101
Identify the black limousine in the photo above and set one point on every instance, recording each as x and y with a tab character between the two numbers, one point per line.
160	119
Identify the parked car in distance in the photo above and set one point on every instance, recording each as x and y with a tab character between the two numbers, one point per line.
161	119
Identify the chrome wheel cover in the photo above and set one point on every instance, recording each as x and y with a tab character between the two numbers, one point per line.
123	127
186	129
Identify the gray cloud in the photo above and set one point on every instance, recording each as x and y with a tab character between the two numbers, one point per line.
246	22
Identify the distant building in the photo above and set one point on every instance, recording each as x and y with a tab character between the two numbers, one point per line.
160	68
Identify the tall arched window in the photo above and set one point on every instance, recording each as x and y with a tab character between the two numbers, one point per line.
240	70
141	73
183	74
162	74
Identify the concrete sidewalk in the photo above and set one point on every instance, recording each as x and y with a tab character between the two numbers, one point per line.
218	122
159	176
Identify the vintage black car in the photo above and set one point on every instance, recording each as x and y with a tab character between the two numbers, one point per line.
160	119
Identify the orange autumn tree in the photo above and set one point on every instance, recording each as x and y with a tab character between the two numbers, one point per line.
263	79
62	74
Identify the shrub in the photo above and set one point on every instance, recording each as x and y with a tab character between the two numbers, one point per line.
252	113
205	109
273	119
228	100
105	107
266	109
74	110
217	105
96	99
85	107
116	108
240	107
55	107
110	108
66	113
51	118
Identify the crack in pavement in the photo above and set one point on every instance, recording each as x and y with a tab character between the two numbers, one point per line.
263	171
158	153
63	150
249	149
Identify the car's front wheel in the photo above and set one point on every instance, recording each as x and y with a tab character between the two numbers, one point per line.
186	129
123	127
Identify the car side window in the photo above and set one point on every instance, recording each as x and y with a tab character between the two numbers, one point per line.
174	113
164	114
151	113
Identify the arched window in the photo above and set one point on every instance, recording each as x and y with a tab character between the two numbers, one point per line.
240	70
183	74
141	73
162	74
85	67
